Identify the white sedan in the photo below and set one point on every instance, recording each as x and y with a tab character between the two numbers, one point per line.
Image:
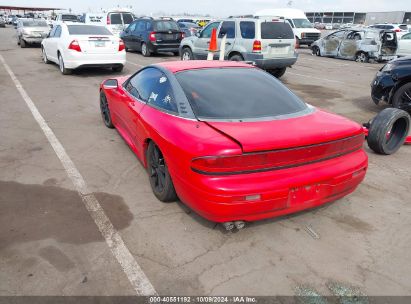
404	45
74	45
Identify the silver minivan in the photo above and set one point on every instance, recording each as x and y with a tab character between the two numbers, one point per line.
268	43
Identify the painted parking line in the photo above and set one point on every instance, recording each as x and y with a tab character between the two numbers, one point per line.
136	64
131	268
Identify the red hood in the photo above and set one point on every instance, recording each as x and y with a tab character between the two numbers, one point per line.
317	127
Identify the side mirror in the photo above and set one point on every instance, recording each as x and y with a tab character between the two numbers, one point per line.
110	84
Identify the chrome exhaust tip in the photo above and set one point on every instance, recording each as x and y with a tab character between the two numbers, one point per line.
228	226
239	224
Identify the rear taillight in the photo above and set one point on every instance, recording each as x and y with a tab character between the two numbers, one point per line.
397	30
275	160
152	36
75	46
121	45
257	46
108	19
182	35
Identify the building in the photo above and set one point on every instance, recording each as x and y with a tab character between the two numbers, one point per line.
360	17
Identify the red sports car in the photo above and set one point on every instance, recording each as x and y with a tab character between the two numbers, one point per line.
231	141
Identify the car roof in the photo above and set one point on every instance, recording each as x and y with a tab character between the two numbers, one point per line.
178	66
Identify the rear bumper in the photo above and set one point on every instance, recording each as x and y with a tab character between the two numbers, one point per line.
33	40
270	63
307	41
74	60
222	198
164	47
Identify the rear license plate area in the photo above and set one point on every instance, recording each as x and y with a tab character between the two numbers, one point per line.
278	50
99	43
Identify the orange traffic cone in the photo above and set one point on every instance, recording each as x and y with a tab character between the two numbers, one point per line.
213	45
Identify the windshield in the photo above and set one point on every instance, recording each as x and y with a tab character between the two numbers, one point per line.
35	23
302	23
88	30
237	93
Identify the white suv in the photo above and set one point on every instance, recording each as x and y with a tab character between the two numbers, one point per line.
268	43
400	29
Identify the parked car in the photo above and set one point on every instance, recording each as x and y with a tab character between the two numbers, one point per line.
151	36
76	45
189	28
231	141
66	17
400	29
2	22
31	31
392	84
360	44
116	20
268	43
303	29
404	45
328	26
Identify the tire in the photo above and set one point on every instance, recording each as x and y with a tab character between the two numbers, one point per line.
278	72
118	69
144	50
187	54
362	57
316	51
160	179
402	97
18	41
105	111
44	55
236	57
388	131
62	68
23	43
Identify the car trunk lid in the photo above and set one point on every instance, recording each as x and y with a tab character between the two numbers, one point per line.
389	42
277	39
316	128
98	44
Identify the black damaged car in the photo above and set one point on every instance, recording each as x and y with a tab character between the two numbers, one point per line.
392	84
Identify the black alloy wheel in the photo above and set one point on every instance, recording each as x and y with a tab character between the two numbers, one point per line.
105	111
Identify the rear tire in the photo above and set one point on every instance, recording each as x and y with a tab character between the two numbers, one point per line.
236	57
388	131
144	50
62	67
186	54
160	179
316	51
402	97
117	69
278	72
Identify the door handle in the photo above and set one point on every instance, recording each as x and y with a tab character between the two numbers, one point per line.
208	42
228	43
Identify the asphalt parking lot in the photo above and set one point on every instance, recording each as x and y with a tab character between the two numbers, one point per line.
49	244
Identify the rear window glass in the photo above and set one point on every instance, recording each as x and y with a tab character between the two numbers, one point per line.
69	18
237	93
247	29
166	26
88	30
404	27
276	30
115	19
127	18
35	23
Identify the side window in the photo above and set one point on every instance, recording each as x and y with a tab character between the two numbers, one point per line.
140	85
132	27
206	33
354	35
227	28
162	95
53	31
57	33
247	29
406	37
290	22
141	26
339	34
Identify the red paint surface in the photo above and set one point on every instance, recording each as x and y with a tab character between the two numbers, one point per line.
273	192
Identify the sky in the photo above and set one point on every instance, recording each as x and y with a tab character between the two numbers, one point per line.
217	8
